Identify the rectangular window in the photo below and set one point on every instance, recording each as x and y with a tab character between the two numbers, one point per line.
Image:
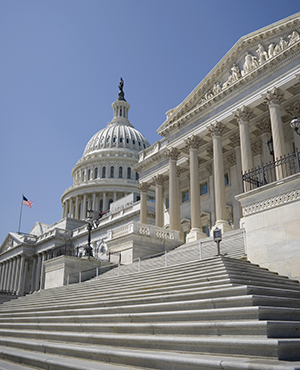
203	188
226	179
185	196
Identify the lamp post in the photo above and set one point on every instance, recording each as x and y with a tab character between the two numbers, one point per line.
88	248
295	125
271	147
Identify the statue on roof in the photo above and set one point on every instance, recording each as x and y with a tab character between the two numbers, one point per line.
121	92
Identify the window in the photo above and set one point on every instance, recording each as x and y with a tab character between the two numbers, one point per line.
82	175
96	173
133	141
121	140
206	230
114	139
185	196
101	205
121	112
167	202
127	140
137	176
203	188
112	172
103	172
89	174
128	173
120	172
226	179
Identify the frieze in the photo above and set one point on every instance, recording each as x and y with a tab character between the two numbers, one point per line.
251	63
271	202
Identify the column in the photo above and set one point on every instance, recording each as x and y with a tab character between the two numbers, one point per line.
174	206
104	201
42	278
216	130
71	215
273	99
83	216
2	275
13	275
143	188
94	202
77	207
63	210
115	196
38	272
8	280
5	275
21	276
196	232
33	273
243	115
17	274
159	205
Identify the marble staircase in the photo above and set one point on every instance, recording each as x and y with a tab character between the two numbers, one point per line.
218	313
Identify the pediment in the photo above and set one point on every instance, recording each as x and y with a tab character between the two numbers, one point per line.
11	241
252	55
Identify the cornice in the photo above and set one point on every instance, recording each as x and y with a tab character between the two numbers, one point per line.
203	92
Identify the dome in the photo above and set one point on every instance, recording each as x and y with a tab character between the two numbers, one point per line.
117	135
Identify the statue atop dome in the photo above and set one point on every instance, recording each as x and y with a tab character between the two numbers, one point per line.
121	92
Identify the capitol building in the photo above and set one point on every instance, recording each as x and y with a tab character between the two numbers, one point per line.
228	158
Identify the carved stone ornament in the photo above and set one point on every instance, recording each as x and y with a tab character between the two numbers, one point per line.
264	126
216	129
173	154
293	109
231	159
210	152
235	140
209	169
143	187
256	148
243	114
193	142
274	96
158	179
264	53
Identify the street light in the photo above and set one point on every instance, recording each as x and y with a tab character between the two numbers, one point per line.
90	224
295	125
270	146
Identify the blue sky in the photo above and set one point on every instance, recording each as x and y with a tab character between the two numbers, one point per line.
60	65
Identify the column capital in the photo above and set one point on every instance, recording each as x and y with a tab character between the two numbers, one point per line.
143	187
158	179
264	126
243	114
274	96
193	142
235	140
172	154
216	129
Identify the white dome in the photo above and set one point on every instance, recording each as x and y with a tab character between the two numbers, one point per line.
117	135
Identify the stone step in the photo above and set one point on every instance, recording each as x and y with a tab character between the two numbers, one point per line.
71	344
267	329
137	360
232	313
211	303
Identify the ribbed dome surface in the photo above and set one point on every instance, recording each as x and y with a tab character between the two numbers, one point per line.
117	135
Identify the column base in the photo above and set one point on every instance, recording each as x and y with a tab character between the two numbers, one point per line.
195	234
223	225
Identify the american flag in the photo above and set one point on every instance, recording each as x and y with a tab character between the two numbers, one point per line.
27	202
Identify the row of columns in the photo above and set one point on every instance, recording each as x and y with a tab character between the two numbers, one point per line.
13	274
244	161
77	206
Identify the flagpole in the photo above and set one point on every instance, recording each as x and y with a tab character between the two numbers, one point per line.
20	214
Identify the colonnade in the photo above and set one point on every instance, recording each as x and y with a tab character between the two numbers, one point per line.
14	273
76	206
244	160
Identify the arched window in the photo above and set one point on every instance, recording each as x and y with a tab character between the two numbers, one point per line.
120	172
112	171
103	172
89	174
137	176
96	173
128	173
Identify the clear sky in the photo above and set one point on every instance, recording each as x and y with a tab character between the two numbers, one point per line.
60	65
